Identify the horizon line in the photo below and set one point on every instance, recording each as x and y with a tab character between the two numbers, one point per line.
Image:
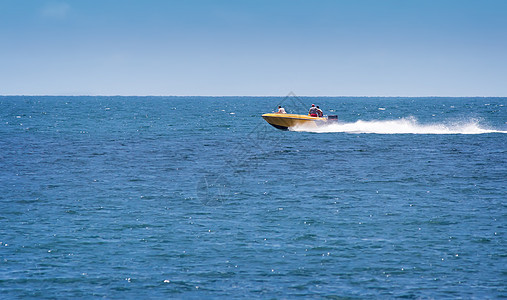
238	96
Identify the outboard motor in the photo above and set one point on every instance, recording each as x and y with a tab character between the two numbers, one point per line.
332	118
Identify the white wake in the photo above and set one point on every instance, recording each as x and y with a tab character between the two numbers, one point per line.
408	125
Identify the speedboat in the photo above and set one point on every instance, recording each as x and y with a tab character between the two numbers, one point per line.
286	121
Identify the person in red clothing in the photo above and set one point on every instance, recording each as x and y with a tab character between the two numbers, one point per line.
313	111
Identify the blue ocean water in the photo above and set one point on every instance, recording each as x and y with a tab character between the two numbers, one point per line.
198	197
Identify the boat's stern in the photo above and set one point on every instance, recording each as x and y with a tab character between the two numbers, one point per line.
332	118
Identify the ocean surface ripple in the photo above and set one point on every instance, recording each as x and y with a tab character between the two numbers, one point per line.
198	197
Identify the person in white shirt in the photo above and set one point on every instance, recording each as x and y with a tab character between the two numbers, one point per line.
313	111
281	110
320	113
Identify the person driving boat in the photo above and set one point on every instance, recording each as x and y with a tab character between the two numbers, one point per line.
313	111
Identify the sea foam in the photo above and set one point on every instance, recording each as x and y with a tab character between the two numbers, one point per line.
409	125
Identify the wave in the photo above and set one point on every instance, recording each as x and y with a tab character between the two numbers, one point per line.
409	125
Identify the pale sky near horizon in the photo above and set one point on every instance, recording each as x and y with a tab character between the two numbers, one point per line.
254	47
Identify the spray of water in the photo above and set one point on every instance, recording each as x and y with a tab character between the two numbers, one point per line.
408	125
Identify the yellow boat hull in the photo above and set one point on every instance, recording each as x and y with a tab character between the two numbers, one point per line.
286	121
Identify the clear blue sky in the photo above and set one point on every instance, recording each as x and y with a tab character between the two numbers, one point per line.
254	47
